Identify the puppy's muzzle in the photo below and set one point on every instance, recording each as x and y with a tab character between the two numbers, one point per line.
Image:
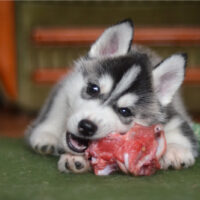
87	128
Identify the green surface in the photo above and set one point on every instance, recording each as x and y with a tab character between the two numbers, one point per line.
26	175
196	128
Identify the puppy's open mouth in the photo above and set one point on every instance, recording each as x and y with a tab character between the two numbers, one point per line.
75	143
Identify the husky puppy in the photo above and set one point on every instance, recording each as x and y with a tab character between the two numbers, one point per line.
110	89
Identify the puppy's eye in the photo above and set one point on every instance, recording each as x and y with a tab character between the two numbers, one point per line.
93	89
125	112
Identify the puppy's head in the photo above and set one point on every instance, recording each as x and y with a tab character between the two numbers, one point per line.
113	87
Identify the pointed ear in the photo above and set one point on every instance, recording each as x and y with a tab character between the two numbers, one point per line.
115	41
168	77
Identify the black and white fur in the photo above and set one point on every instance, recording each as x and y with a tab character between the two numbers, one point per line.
133	85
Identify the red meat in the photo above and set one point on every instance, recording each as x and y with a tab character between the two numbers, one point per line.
137	152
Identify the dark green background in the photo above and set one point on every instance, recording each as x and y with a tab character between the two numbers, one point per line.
25	175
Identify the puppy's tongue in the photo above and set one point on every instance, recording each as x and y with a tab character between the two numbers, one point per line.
76	144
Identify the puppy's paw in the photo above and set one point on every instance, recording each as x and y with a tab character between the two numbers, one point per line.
177	157
45	144
73	163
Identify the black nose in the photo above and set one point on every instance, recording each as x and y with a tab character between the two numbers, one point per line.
87	128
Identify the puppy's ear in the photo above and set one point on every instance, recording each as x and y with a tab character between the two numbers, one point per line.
114	41
168	77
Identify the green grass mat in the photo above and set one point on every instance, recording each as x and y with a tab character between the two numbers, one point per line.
25	175
196	128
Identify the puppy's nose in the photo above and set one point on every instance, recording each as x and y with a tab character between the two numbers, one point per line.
87	128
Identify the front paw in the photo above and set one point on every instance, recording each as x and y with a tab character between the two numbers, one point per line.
177	157
45	144
73	163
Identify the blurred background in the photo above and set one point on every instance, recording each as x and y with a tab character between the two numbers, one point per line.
40	40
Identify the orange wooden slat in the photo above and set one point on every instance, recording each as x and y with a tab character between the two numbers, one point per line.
192	76
146	35
7	49
50	76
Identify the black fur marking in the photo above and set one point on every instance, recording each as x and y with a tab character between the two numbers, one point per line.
127	20
117	67
141	86
188	132
170	112
186	60
185	128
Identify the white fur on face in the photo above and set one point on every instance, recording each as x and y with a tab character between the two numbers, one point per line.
126	81
104	117
73	90
168	77
114	41
106	83
127	100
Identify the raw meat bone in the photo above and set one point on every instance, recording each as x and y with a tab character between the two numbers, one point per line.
143	163
137	152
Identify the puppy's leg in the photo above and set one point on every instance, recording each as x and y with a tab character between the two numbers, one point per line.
73	163
45	140
43	134
177	156
182	147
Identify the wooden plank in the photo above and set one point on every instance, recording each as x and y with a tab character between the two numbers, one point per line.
50	76
7	49
192	76
143	35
